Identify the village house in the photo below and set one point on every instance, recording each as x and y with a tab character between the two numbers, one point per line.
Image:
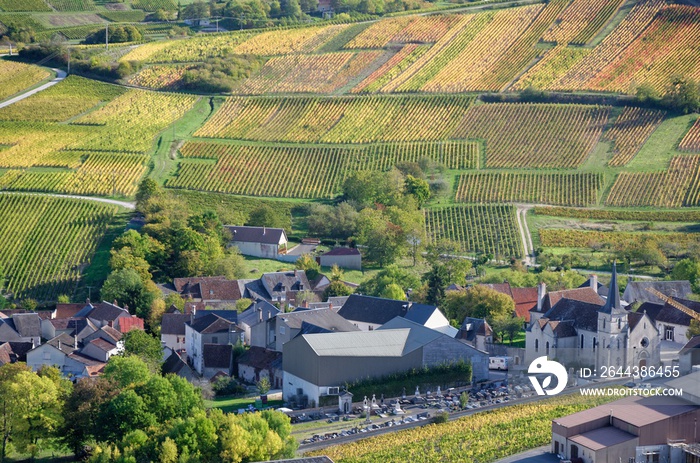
176	365
172	330
258	363
21	327
208	331
254	323
476	332
258	241
672	323
80	327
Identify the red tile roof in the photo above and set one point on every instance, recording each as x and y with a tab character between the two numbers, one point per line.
67	310
524	298
130	323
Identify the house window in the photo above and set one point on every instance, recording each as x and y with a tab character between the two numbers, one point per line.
668	330
603	323
619	323
653	458
215	340
594	344
537	345
546	351
47	355
282	330
618	343
581	341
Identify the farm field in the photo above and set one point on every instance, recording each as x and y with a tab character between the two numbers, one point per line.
311	172
477	229
98	152
491	435
691	142
567	189
678	186
463	52
364	119
43	253
15	77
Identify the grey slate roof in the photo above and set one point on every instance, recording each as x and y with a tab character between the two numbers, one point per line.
174	323
174	364
28	325
212	323
230	315
375	310
103	311
601	288
635	290
693	343
277	284
260	358
420	313
612	303
323	318
263	235
254	289
668	314
20	350
251	315
217	356
473	327
64	343
583	314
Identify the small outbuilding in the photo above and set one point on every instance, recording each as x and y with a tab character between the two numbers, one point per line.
349	258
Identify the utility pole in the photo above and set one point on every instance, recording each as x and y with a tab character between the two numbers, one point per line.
107	36
242	18
68	61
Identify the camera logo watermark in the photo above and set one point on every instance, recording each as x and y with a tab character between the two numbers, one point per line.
542	366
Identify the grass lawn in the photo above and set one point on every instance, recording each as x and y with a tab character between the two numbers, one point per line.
231	405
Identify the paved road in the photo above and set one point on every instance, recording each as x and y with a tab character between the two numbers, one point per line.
60	75
124	204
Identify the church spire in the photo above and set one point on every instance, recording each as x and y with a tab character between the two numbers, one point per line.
612	305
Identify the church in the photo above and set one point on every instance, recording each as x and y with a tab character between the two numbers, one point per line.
578	328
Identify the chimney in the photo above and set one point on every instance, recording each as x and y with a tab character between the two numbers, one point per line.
330	305
59	344
87	301
594	282
541	292
115	302
305	304
75	339
126	307
260	316
264	230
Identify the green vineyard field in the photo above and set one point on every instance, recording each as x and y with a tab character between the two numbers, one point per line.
303	171
477	229
44	252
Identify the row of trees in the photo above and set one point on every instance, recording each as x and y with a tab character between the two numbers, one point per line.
129	414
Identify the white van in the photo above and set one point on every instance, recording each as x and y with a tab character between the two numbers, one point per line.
498	363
